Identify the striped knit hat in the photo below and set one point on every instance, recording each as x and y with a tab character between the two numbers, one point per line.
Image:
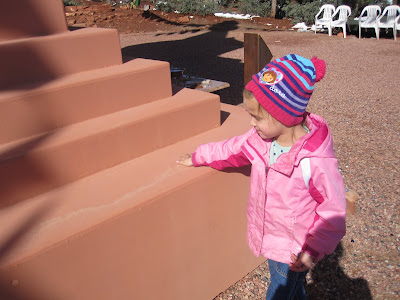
284	86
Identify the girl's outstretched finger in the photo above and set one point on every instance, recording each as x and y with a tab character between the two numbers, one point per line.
185	161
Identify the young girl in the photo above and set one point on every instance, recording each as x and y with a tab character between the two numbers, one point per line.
296	208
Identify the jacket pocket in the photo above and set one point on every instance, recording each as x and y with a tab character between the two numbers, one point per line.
301	227
278	231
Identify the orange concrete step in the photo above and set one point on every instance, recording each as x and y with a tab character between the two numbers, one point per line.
24	18
45	58
76	151
78	97
145	229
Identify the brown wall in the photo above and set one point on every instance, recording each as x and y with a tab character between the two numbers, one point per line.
27	18
93	204
171	231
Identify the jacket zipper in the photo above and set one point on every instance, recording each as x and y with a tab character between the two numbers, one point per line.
265	192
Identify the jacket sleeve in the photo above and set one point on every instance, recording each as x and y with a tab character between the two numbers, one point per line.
329	226
224	154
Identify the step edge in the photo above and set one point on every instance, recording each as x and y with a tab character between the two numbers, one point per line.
112	121
236	122
70	80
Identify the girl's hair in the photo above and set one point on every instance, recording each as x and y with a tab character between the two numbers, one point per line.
250	96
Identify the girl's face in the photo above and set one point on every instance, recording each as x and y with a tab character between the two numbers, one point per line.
266	126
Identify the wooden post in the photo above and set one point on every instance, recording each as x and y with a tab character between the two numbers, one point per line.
256	55
351	198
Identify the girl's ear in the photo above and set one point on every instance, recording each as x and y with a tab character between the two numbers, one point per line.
303	123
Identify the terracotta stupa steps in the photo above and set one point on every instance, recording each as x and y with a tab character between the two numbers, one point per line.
78	97
81	149
44	58
25	18
93	204
168	218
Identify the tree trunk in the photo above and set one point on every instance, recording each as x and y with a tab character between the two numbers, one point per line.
273	9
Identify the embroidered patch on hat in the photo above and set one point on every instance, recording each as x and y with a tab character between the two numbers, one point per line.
271	76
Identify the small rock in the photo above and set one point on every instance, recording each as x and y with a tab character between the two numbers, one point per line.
70	8
82	7
184	19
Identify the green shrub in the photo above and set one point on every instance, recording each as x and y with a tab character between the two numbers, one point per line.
199	7
227	3
187	6
71	3
302	12
166	6
260	8
358	5
208	7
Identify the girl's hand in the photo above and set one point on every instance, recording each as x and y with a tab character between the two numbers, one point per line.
301	262
186	160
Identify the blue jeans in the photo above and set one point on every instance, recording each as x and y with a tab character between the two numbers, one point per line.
285	284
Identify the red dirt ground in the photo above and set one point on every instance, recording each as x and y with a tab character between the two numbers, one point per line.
95	14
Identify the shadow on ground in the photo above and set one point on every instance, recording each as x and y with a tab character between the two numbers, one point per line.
200	56
331	282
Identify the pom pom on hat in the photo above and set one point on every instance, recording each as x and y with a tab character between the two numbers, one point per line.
320	68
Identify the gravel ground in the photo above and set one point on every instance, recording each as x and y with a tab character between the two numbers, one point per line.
359	97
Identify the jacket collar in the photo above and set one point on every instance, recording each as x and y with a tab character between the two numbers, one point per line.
308	145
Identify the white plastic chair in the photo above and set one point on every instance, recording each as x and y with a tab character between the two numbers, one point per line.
370	20
391	12
397	23
327	10
339	18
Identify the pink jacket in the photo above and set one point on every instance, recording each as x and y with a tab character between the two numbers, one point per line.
284	216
